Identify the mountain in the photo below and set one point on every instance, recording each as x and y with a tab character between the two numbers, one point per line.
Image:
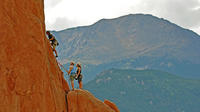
30	78
133	41
147	91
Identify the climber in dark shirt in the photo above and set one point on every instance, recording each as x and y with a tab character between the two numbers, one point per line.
53	41
79	76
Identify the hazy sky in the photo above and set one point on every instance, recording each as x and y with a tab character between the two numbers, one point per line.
62	14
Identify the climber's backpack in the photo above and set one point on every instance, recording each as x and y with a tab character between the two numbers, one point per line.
54	41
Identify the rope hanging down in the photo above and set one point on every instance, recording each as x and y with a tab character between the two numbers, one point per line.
62	67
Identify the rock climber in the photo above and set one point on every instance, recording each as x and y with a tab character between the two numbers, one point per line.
72	73
53	42
79	76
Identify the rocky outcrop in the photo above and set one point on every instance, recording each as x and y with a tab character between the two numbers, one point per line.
111	105
83	101
30	78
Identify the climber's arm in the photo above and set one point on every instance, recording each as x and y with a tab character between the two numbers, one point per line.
70	69
79	71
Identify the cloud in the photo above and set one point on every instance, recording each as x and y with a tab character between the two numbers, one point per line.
51	3
60	24
185	13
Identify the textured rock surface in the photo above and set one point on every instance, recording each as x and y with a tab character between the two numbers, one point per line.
30	79
83	101
111	105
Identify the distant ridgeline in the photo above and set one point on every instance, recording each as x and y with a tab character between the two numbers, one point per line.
147	91
133	41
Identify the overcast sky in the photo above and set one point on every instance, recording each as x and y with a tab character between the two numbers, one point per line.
62	14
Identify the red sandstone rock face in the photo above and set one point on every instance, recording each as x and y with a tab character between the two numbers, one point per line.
30	79
111	105
83	101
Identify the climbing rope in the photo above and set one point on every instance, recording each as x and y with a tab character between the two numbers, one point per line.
77	102
66	100
62	66
66	95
